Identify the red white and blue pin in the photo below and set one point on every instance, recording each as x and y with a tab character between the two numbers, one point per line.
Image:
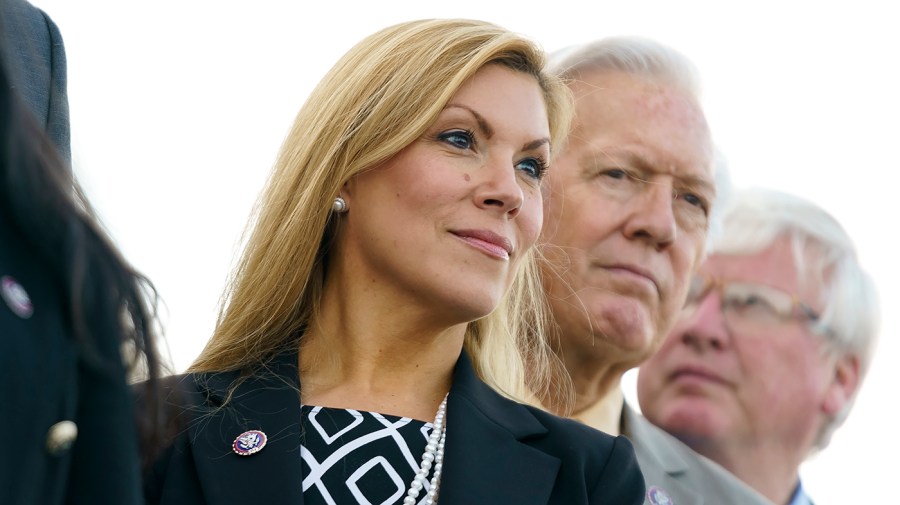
249	442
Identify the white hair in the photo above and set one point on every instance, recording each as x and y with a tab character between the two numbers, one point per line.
823	253
632	55
724	193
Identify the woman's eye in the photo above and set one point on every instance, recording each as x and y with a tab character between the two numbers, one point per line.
534	167
459	138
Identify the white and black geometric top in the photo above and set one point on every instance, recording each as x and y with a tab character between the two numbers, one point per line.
350	456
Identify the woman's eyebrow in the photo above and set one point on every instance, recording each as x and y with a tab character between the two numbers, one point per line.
534	144
489	131
482	122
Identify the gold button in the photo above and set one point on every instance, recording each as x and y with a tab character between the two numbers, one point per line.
61	436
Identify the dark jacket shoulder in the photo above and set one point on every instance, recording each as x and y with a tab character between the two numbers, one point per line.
619	472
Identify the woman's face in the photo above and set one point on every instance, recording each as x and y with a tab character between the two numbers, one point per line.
443	225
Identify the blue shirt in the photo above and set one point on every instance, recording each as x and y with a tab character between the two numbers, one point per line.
800	497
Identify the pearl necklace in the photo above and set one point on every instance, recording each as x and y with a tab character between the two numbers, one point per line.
434	453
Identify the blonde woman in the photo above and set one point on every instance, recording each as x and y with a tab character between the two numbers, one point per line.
372	346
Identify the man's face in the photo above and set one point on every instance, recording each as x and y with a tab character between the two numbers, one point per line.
728	377
626	215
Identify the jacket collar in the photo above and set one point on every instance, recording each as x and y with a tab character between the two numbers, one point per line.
663	467
269	402
485	459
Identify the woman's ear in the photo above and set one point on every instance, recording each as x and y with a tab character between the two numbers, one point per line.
844	383
342	200
346	191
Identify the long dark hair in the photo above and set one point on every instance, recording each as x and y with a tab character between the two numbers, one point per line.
106	302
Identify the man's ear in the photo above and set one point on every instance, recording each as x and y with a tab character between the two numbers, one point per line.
844	383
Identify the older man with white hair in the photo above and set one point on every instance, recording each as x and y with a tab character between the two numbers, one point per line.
771	347
629	206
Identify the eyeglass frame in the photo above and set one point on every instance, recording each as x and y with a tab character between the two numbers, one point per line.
799	310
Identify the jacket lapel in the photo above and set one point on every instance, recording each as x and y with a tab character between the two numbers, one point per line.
664	469
269	403
486	460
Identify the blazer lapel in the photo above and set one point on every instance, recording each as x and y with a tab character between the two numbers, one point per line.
269	403
664	469
485	458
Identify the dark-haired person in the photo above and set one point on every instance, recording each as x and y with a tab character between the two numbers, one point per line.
37	67
74	319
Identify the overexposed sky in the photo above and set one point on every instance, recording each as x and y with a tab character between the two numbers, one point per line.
178	109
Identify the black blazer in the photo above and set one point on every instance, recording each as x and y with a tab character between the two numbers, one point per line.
36	57
45	381
498	451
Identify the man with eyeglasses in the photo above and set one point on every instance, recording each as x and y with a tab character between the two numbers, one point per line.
629	203
772	344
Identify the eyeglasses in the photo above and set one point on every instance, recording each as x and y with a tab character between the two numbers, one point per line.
750	308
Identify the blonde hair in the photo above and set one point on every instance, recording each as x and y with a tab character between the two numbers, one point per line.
379	97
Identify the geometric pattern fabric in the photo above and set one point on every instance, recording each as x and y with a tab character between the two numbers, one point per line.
349	456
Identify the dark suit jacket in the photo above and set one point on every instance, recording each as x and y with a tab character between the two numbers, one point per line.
36	58
498	451
44	380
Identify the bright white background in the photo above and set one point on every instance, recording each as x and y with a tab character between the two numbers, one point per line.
178	109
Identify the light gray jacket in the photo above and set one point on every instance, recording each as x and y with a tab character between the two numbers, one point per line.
676	475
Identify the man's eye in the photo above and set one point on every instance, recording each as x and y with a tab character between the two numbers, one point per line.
459	138
693	200
752	303
750	300
615	173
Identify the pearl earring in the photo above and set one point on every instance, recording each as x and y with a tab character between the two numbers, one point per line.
339	206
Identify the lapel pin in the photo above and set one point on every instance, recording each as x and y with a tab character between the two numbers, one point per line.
249	442
16	297
657	496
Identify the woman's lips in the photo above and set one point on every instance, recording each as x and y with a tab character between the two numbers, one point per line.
488	242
